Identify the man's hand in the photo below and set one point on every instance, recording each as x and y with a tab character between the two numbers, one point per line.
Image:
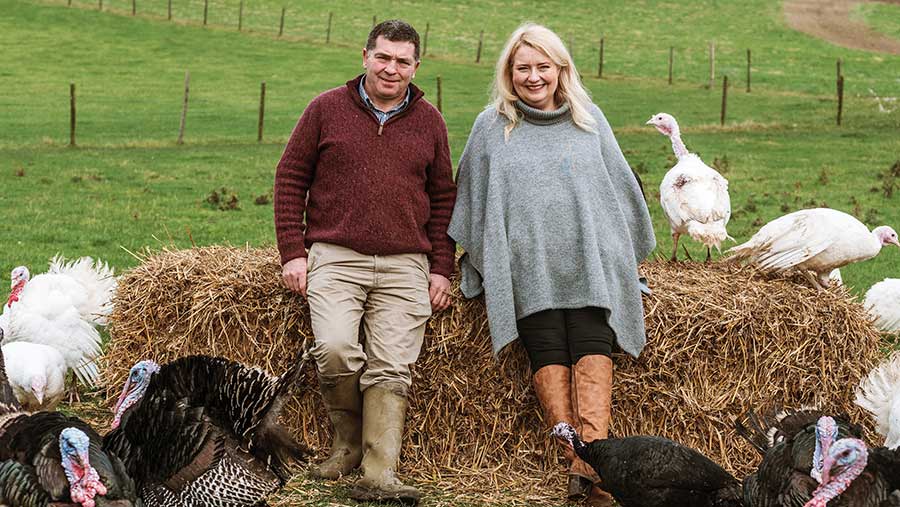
438	291
294	275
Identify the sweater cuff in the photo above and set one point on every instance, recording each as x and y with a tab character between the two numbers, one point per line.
291	252
442	267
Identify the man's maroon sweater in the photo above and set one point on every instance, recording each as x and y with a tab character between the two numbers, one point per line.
379	190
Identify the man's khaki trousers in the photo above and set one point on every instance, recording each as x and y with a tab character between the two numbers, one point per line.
388	292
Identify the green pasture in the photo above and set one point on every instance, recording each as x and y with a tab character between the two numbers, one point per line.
128	185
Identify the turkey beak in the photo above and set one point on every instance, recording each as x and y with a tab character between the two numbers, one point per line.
895	242
650	121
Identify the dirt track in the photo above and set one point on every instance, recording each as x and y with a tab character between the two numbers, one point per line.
830	20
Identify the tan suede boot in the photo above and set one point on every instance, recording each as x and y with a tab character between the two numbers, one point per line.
553	385
344	404
592	396
384	412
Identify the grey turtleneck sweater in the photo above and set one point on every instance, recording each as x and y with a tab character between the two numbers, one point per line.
551	218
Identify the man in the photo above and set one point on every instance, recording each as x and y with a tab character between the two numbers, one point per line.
369	166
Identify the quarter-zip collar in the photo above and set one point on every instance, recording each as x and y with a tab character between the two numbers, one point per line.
353	90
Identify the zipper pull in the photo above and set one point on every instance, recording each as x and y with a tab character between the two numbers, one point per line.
380	128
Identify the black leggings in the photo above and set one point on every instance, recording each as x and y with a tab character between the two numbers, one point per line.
565	336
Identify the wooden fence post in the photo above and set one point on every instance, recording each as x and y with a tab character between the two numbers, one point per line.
241	16
262	111
170	10
133	7
328	30
712	63
839	73
600	64
724	99
281	25
100	5
748	71
440	96
187	83
671	59
425	40
71	114
374	20
205	10
480	43
840	97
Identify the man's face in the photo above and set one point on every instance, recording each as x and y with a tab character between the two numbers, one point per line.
390	66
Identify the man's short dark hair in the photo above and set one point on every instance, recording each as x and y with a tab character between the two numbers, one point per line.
396	31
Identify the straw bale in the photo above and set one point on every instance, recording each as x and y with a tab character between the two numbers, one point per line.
721	339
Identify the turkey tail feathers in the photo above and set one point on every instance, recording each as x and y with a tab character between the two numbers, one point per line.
749	427
710	234
98	280
876	393
277	444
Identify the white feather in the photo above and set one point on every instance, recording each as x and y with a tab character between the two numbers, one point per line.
694	198
27	363
879	393
818	240
91	285
45	315
883	303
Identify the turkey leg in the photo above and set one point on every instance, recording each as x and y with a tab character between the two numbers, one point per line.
674	257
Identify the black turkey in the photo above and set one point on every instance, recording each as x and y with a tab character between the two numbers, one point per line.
48	459
647	471
203	431
803	465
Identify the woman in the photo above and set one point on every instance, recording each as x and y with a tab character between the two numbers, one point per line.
554	224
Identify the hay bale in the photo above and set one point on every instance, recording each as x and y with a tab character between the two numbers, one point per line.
721	339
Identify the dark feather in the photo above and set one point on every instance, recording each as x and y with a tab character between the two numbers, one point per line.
646	471
29	452
193	424
8	401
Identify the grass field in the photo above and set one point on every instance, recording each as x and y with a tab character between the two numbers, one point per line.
128	185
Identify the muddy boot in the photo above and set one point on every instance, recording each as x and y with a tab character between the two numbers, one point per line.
384	412
592	396
344	404
551	382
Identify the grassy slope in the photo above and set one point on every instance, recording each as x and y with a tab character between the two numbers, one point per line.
129	183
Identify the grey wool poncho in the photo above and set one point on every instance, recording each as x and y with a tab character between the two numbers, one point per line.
551	218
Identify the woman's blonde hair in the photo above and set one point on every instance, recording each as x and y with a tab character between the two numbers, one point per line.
569	88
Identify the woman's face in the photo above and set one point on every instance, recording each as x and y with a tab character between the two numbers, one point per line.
535	78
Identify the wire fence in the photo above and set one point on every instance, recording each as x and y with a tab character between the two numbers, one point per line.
194	109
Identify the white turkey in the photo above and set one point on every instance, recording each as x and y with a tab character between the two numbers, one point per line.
879	393
60	309
204	431
88	285
883	303
694	196
36	373
813	242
